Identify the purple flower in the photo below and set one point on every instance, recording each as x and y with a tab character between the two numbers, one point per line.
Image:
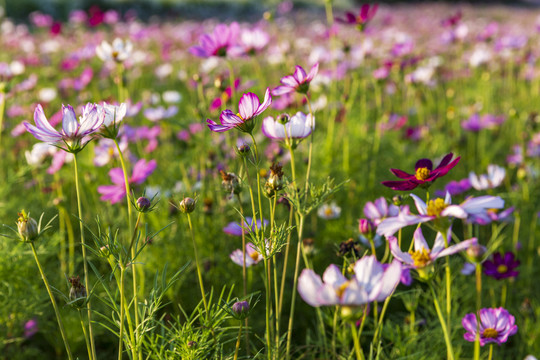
379	209
502	267
234	228
299	126
367	12
491	215
249	108
73	132
115	193
455	187
298	82
496	325
424	174
476	122
252	256
422	255
30	328
369	283
221	42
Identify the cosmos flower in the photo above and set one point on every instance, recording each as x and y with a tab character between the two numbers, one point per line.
329	211
491	215
502	267
367	12
422	255
252	256
424	174
74	134
298	126
494	178
249	108
235	229
221	42
369	283
253	41
30	328
476	122
298	82
455	187
495	326
437	209
115	193
119	51
380	209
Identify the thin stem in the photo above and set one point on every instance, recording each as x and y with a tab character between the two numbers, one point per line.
238	342
203	294
85	261
450	351
490	352
478	306
120	82
86	340
122	302
448	285
356	341
58	318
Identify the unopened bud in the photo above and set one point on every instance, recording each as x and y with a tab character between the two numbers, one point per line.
27	227
241	308
243	150
476	252
143	203
283	118
397	200
365	226
187	205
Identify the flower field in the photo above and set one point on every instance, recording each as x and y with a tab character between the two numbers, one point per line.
304	182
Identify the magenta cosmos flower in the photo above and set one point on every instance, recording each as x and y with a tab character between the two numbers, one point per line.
502	267
495	326
298	127
367	12
424	174
74	132
115	193
221	42
437	209
371	282
249	108
298	82
422	255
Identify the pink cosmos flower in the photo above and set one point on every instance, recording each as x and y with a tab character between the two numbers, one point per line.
221	42
496	325
439	208
367	12
371	282
252	256
249	108
298	82
74	133
115	193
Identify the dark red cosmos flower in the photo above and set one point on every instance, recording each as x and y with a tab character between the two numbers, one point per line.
502	267
367	12
424	174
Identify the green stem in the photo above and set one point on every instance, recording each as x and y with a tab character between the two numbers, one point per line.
85	261
122	304
478	306
120	82
58	318
448	286
86	340
238	342
450	351
356	341
203	293
490	352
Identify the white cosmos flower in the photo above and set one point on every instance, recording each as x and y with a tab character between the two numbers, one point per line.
119	51
299	126
493	179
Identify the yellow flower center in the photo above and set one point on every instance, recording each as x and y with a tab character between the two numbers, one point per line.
434	207
341	289
422	173
328	211
254	255
490	333
115	54
501	269
420	257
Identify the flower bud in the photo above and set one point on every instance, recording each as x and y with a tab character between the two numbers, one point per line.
27	227
191	344
77	293
365	226
476	252
187	205
309	246
283	118
275	180
397	200
143	203
230	183
241	308
243	150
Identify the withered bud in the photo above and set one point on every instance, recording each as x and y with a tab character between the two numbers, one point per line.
309	245
230	182
349	246
77	293
275	180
